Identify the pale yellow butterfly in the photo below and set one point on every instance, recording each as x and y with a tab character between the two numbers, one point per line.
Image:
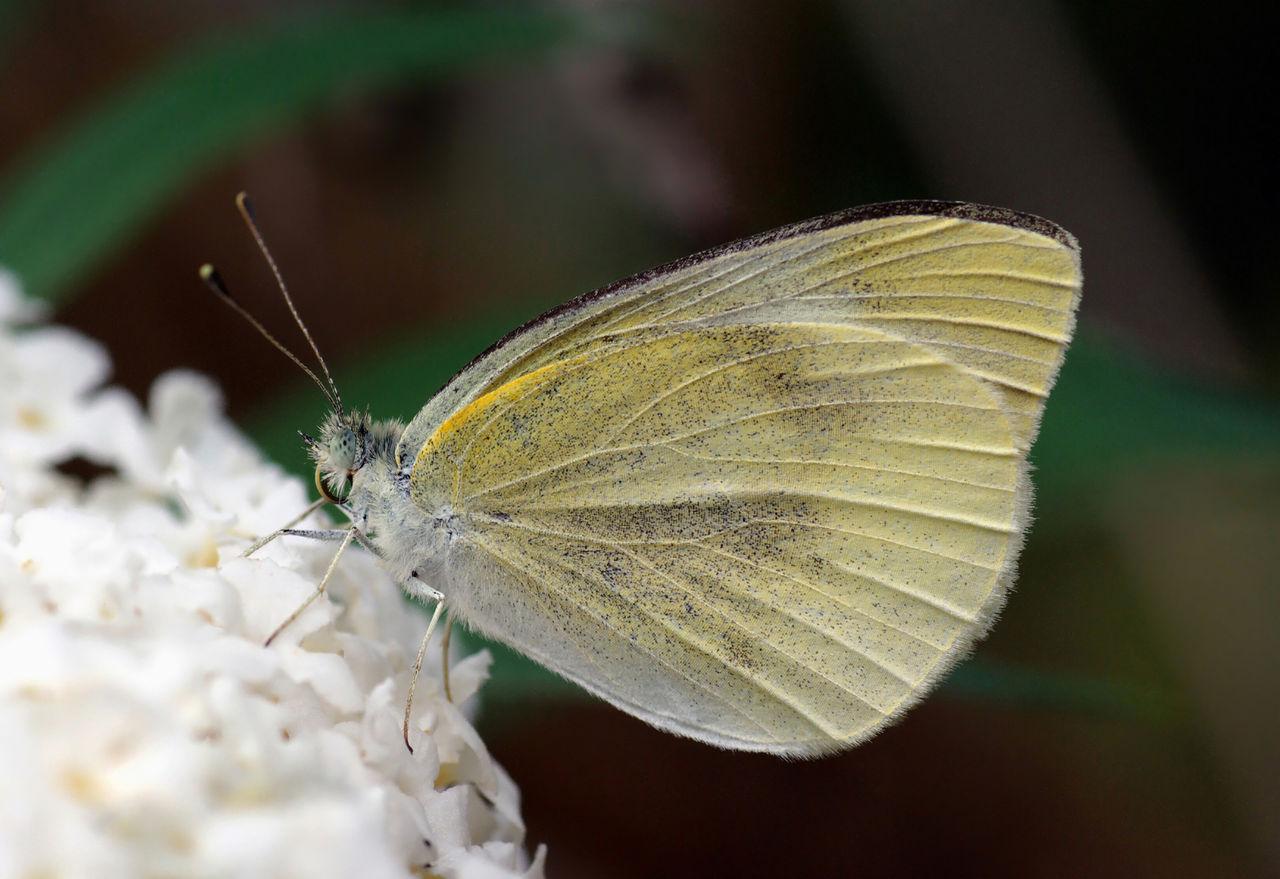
764	496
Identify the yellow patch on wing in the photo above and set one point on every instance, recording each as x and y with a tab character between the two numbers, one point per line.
451	440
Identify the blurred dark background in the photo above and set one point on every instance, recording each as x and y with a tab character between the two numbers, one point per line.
431	175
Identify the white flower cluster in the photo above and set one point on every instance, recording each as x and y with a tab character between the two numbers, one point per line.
144	728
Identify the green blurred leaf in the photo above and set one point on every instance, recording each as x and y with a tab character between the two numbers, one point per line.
73	201
1032	688
1110	412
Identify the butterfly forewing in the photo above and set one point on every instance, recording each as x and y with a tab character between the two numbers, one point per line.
992	290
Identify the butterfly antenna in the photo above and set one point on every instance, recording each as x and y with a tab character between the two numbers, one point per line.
246	212
214	282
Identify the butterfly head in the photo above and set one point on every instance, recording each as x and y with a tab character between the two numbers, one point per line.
343	447
348	443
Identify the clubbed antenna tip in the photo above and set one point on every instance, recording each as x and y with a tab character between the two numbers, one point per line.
213	280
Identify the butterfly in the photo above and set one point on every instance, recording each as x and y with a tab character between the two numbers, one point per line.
764	496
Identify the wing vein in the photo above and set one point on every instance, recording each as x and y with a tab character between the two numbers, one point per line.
988	324
918	294
658	319
825	405
914	254
929	600
642	302
856	533
932	343
721	494
809	625
1016	276
719	368
843	464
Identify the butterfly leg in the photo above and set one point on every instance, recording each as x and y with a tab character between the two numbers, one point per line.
288	530
332	534
279	532
438	597
315	533
444	657
321	534
324	581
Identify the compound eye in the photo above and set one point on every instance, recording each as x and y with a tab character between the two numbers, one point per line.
347	447
323	488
